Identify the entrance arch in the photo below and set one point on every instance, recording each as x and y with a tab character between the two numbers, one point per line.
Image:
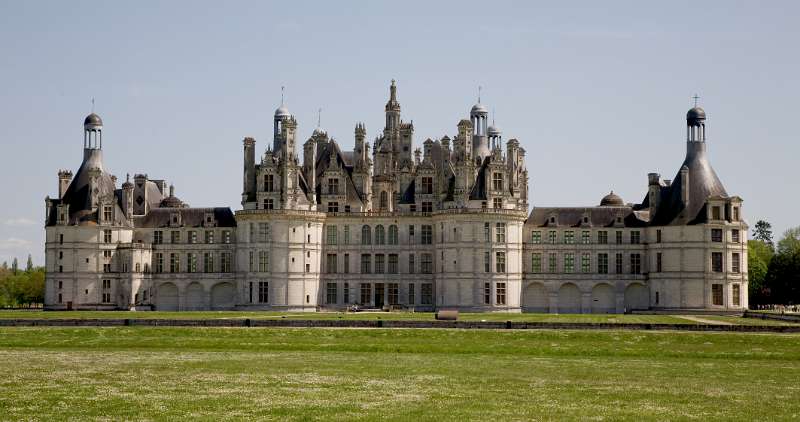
195	297
637	296
167	297
223	296
603	299
569	299
535	298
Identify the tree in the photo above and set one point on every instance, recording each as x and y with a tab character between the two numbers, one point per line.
790	242
763	232
783	272
29	264
14	266
759	255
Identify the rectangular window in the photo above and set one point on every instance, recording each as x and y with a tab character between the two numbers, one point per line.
569	237
191	265
333	206
330	290
619	238
735	213
716	262
602	237
426	294
263	261
412	297
346	235
736	263
500	262
330	263
106	236
175	236
487	232
107	213
716	294
393	293
208	262
586	237
736	295
735	236
497	203
263	232
330	237
552	263
658	262
586	263
209	236
427	185
380	263
536	263
497	181
159	264
618	263
251	263
346	293
500	289
174	264
487	262
226	236
427	234
536	236
269	183
192	236
636	263
427	206
715	213
635	237
346	267
411	263
366	263
263	292
716	235
487	293
500	232
333	186
569	262
158	237
393	263
366	293
269	204
426	263
602	263
411	234
658	236
552	237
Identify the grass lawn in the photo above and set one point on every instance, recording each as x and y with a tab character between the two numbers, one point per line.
350	374
610	318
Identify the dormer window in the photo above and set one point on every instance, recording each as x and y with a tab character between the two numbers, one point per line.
427	185
735	213
333	186
269	183
715	213
497	181
107	213
268	204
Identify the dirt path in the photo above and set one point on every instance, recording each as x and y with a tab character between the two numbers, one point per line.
703	320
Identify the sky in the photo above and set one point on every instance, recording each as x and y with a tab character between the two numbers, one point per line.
596	92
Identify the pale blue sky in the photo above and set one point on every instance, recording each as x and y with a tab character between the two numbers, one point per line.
596	92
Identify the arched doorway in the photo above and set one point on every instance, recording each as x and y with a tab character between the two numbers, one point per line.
167	297
194	297
637	296
603	299
223	296
569	299
535	298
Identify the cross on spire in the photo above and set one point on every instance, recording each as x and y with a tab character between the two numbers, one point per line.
695	98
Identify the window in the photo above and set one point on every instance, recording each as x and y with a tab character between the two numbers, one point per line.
552	263
412	297
736	263
427	234
500	262
658	262
487	293
251	263
330	290
226	236
175	236
586	263
427	185
333	186
366	263
487	232
269	183
426	263
736	294
208	262
209	237
263	232
735	235
501	293
346	267
384	201
658	236
393	293
636	263
225	262
333	206
308	270
59	298
346	293
619	238
191	264
427	206
716	235
159	264
569	262
716	262
263	292
536	263
380	263
158	237
330	237
366	293
536	237
411	263
106	236
380	235
263	261
602	263
497	203
426	294
736	218
497	181
552	237
393	262
487	262
60	239
393	235
602	237
500	232
569	237
173	263
346	235
618	263
366	235
411	235
191	236
107	213
715	213
716	294
635	237
269	204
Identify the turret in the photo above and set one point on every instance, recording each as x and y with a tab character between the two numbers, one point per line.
127	197
249	182
64	178
653	191
480	142
392	108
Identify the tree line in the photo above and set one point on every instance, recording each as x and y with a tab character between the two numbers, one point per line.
773	268
21	288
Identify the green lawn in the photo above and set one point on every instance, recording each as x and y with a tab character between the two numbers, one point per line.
612	318
128	373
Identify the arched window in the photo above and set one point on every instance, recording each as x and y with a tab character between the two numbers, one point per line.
380	235
384	204
366	235
392	234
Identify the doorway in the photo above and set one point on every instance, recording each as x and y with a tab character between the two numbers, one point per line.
379	295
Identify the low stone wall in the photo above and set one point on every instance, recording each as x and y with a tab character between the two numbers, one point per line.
333	323
772	316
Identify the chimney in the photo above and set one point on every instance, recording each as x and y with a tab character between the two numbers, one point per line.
248	188
64	179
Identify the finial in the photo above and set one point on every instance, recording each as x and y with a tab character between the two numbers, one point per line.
695	98
282	89
479	94
127	177
92	104
493	112
393	82
319	118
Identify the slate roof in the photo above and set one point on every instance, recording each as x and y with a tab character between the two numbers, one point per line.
190	217
573	216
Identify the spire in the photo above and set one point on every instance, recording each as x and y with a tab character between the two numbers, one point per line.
479	94
282	92
393	92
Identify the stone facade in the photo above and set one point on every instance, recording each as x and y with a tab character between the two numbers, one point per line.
386	225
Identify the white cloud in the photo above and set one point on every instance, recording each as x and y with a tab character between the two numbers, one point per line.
22	221
14	243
